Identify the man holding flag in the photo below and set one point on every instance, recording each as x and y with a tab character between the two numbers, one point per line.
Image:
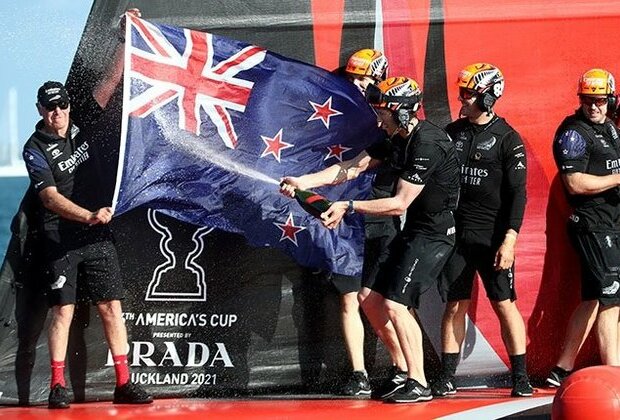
76	239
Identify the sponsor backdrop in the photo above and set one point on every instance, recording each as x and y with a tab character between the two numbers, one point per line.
209	315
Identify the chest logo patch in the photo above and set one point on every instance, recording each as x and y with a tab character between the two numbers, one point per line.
487	144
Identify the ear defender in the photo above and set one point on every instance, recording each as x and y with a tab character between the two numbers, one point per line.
612	103
485	102
402	117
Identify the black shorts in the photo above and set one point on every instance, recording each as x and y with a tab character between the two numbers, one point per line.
336	282
345	284
600	265
457	277
379	236
96	263
412	267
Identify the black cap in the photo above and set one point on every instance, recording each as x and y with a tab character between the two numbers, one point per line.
52	93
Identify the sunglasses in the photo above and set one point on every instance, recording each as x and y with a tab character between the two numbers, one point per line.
467	93
589	101
51	107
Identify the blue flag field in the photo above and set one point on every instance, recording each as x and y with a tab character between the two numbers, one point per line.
211	124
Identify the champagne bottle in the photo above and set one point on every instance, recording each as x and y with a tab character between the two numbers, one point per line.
313	203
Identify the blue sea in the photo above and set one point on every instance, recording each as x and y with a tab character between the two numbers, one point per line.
11	192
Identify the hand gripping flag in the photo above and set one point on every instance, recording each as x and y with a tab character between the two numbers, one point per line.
211	124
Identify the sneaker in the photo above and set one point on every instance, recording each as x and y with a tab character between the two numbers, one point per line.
392	384
131	393
521	387
443	387
358	385
59	397
557	376
412	392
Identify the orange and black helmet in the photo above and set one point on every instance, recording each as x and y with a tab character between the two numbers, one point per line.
482	78
596	82
396	93
367	62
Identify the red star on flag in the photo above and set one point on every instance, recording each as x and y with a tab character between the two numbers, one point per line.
275	145
289	230
336	151
324	111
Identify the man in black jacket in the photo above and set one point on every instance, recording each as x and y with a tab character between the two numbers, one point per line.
427	191
364	68
488	219
586	149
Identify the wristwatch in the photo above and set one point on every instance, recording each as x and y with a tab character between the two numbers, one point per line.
350	209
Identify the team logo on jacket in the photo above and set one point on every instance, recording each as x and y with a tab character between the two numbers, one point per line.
78	157
487	144
613	165
473	175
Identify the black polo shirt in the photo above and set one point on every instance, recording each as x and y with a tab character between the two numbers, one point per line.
67	164
427	157
493	178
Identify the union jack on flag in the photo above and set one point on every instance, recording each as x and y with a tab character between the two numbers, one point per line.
211	124
185	72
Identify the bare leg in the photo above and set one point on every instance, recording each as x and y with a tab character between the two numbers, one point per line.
374	309
58	332
410	338
607	333
353	329
453	326
579	326
113	326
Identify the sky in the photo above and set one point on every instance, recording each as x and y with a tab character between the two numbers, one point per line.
39	40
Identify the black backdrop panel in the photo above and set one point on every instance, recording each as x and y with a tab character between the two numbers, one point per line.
207	315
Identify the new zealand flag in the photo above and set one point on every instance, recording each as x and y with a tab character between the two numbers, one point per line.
210	125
